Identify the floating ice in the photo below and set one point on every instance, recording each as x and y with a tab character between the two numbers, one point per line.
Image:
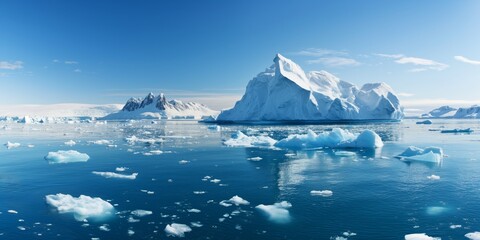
70	143
11	145
434	177
66	157
153	152
120	169
255	159
130	232
323	193
82	207
473	235
420	236
277	212
12	212
132	176
455	226
101	142
150	141
239	139
429	154
177	229
183	162
238	201
456	130
104	227
193	210
337	138
141	213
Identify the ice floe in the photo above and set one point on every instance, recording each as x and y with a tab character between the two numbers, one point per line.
234	200
177	229
141	213
322	193
277	212
70	143
10	145
101	142
429	154
337	138
473	235
82	207
255	159
66	157
12	211
434	177
121	169
132	176
194	210
424	122
420	236
239	139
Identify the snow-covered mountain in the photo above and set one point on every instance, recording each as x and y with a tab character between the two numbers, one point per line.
441	112
157	107
470	112
285	92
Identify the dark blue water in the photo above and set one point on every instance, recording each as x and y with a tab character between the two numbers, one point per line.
374	195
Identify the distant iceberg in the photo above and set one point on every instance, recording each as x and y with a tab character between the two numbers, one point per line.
284	92
157	107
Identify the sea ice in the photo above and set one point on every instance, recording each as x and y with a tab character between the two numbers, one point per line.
70	143
141	213
82	207
132	176
255	159
425	122
101	142
277	212
66	157
473	235
429	154
434	177
337	138
194	210
239	139
237	201
121	169
420	236
177	229
323	193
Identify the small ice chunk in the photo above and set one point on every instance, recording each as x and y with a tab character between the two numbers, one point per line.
121	169
141	213
12	212
82	207
239	139
101	142
455	226
153	152
225	203
277	212
132	176
70	143
104	227
424	122
199	192
177	229
420	236
215	180
255	159
194	210
238	201
323	193
349	234
473	235
66	157
130	232
436	210
434	177
196	224
11	145
183	161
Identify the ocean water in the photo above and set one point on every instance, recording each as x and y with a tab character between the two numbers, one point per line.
375	196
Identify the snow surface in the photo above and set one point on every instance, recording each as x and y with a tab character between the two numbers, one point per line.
429	154
132	176
66	157
177	229
157	107
285	92
82	207
277	212
419	236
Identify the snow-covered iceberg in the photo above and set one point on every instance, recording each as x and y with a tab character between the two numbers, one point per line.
277	212
239	139
284	92
471	112
157	107
66	157
82	207
429	154
441	112
177	229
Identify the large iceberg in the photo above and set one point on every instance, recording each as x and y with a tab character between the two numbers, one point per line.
441	112
284	92
157	107
82	207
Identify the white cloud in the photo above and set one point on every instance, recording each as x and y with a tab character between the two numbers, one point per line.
77	70
404	94
11	65
319	52
335	61
71	62
425	64
466	60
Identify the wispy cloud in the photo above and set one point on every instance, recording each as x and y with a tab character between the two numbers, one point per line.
327	57
11	65
77	70
404	94
423	63
467	60
335	61
71	62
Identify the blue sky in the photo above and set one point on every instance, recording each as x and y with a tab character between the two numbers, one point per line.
107	51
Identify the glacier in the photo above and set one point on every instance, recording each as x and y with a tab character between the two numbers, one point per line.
284	92
157	107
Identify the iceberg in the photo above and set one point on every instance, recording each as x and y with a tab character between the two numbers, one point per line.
10	145
337	138
66	157
277	212
322	193
473	235
82	207
456	130
429	154
132	176
420	236
284	92
471	112
239	139
441	112
177	229
426	122
157	107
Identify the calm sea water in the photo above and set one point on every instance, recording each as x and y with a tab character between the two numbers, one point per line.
374	195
